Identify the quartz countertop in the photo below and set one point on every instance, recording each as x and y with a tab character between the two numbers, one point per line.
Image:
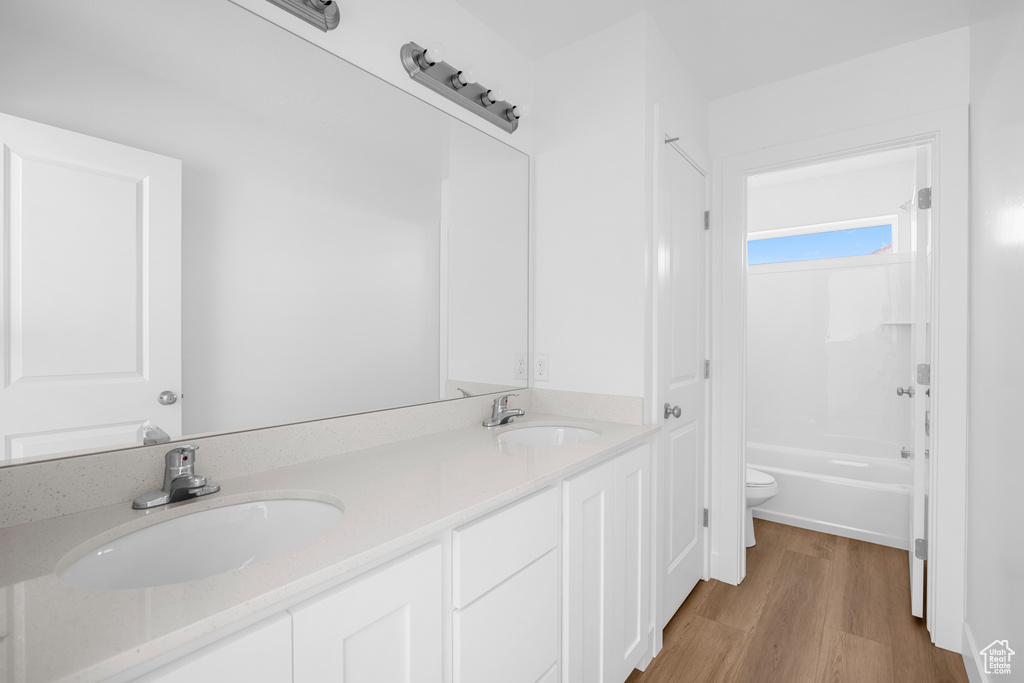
393	496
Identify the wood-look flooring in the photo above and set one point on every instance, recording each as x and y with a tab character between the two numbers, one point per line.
814	607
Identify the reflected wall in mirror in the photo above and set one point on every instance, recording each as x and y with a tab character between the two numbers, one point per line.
344	247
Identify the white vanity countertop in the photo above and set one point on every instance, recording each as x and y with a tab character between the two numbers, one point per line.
393	496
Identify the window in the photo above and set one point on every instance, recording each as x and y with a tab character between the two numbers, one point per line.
808	246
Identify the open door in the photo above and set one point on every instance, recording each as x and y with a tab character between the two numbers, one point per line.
90	285
920	369
682	377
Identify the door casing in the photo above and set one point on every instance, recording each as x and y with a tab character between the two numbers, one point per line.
947	131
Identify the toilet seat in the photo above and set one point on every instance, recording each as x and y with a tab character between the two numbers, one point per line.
757	478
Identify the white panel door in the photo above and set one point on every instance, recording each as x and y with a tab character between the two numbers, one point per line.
90	278
681	379
632	542
920	355
383	628
587	576
259	654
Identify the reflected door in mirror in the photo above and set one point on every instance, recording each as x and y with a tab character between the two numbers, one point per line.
91	291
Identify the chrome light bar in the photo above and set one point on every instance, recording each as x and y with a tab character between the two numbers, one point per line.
446	80
323	14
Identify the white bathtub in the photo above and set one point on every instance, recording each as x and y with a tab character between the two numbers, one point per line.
857	496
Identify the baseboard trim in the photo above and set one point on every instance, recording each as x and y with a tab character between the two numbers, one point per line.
829	528
972	658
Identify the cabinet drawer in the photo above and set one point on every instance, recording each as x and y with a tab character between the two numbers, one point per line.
511	634
488	551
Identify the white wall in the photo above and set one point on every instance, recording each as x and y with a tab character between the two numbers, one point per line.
594	193
870	192
923	75
823	360
995	556
589	212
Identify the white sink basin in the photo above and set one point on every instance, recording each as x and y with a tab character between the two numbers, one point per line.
547	435
201	544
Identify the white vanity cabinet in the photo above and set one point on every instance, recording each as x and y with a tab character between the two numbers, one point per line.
385	627
505	581
554	587
259	654
606	576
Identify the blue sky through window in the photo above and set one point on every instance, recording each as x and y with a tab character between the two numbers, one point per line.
819	245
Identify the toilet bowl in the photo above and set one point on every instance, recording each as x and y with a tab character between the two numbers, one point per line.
761	487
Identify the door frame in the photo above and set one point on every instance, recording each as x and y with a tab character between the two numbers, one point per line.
697	157
947	131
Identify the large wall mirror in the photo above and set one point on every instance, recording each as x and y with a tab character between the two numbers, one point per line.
343	246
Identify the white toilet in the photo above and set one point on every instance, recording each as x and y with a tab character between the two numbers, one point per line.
761	487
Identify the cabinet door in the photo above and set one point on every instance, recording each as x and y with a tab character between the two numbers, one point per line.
260	654
632	543
510	635
382	628
587	513
606	575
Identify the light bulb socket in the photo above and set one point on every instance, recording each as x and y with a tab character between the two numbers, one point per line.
488	98
511	115
457	80
430	56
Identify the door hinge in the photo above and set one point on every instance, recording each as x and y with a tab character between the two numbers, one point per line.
924	373
927	423
921	548
707	369
705	516
924	198
707	220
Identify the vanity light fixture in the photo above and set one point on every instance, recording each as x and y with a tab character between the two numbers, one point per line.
427	66
323	14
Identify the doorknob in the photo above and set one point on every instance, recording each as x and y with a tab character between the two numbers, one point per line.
908	392
672	412
167	398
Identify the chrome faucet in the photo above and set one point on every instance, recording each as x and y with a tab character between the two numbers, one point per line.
501	413
180	480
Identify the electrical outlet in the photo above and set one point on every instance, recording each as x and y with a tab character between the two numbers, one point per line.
519	365
541	368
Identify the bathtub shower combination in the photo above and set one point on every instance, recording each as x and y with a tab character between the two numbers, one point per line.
859	496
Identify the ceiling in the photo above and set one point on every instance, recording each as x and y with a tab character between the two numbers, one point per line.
732	45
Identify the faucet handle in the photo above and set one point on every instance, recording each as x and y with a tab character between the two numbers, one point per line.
181	457
502	401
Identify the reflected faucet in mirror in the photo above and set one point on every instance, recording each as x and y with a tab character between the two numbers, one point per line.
152	435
